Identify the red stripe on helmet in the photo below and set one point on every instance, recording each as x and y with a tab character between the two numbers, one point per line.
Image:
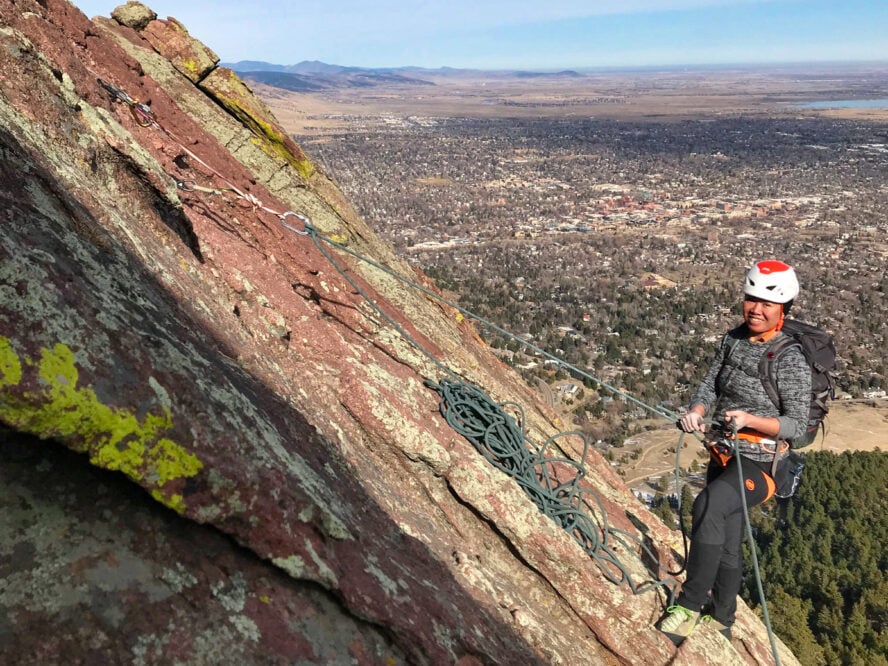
772	266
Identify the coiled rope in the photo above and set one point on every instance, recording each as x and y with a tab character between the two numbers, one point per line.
503	442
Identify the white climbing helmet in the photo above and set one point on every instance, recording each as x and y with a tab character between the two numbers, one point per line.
772	281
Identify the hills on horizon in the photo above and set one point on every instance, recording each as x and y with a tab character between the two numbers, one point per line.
318	68
314	75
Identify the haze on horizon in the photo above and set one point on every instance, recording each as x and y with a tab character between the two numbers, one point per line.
520	34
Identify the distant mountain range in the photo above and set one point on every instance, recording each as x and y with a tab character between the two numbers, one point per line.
314	76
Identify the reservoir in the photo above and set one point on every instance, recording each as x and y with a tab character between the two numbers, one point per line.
846	104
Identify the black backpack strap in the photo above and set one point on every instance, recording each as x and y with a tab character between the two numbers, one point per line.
731	338
729	341
768	365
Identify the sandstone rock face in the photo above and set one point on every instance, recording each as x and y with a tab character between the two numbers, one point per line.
217	438
227	88
169	38
97	572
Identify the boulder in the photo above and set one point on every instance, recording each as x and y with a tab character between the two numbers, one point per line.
134	15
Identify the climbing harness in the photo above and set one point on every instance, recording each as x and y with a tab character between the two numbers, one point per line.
721	445
500	437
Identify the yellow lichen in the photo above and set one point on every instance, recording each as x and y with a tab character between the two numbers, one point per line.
10	366
170	462
174	501
114	437
269	139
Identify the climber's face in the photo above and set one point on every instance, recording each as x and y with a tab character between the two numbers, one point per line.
761	316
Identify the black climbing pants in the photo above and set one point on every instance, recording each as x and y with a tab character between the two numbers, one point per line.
715	560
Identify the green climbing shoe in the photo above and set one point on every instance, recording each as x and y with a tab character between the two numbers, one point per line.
678	623
723	629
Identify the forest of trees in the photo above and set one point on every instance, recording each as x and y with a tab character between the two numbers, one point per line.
824	561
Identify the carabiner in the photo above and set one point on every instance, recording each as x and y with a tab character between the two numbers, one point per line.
142	114
305	221
725	445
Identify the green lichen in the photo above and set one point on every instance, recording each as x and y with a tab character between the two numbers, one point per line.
293	565
114	437
305	168
276	141
170	463
276	148
10	366
173	500
271	141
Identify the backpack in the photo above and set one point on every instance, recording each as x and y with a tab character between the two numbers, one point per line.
820	351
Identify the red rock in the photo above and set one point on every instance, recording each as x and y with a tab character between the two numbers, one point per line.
187	54
298	491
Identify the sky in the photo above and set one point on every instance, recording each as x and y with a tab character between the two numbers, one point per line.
532	34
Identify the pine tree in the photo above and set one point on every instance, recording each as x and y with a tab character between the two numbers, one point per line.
789	618
687	507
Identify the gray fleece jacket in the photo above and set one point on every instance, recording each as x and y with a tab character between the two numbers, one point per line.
734	383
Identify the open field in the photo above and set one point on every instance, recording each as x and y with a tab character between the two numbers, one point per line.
633	95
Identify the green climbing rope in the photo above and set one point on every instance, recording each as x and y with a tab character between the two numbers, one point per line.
503	441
